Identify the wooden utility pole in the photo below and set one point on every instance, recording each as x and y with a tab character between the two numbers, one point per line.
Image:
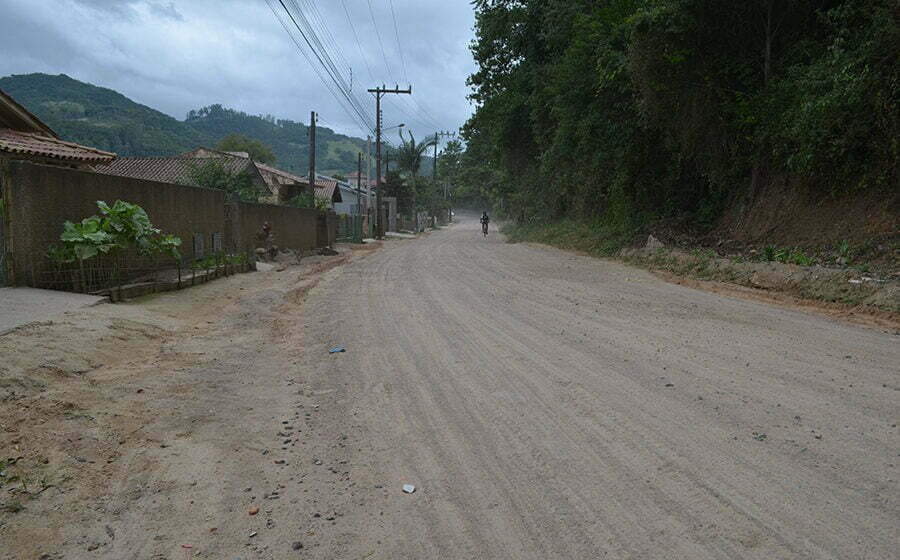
312	152
369	183
379	91
358	183
434	162
437	138
358	220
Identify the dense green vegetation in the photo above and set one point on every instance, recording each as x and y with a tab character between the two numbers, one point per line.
211	174
621	112
254	148
108	120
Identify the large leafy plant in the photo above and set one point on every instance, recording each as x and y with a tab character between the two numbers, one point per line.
121	226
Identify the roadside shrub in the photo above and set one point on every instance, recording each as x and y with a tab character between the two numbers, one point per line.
786	255
302	200
120	226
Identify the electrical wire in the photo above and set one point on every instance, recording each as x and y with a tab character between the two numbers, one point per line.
399	45
380	43
322	51
319	72
339	87
358	42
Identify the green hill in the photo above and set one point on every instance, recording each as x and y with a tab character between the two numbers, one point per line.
103	118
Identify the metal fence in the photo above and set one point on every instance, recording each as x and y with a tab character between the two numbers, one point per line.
350	228
126	275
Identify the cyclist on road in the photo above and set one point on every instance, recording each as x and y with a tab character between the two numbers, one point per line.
485	220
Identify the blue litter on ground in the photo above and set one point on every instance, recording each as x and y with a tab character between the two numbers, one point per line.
337	350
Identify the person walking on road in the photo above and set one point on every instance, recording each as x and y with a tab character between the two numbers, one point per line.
485	220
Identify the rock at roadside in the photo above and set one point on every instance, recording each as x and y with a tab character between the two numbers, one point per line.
653	244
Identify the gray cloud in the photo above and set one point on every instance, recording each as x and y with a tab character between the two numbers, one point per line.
179	55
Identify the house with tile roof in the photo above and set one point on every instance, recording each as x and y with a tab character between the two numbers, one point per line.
181	170
282	186
24	137
327	189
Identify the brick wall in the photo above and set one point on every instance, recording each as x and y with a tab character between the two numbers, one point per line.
292	228
40	198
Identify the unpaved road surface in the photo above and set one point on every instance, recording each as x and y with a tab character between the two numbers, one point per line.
544	404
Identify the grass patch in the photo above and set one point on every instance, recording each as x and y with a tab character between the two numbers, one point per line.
786	255
596	238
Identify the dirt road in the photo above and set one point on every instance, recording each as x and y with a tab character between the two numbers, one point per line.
544	404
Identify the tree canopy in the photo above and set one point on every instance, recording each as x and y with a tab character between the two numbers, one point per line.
636	109
239	143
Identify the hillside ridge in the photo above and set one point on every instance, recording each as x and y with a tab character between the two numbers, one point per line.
106	119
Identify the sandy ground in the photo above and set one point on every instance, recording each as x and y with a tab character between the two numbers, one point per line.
20	306
545	405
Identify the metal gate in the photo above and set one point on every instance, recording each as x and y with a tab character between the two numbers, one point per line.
349	228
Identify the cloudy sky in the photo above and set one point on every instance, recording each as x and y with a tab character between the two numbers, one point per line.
180	55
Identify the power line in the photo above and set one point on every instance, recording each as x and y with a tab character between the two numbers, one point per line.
334	87
399	46
323	55
408	116
380	44
338	81
310	33
423	113
319	72
358	43
314	11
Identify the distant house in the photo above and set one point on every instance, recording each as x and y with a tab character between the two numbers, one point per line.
180	170
282	186
365	182
364	179
24	137
326	189
349	197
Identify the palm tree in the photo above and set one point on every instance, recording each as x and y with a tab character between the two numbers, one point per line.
409	154
409	159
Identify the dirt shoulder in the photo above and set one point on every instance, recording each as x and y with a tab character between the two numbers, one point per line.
128	430
848	292
844	293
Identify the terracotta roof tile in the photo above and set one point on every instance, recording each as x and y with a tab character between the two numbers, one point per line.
42	146
177	170
279	172
325	189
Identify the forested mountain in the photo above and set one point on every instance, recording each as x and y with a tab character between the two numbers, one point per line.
632	110
108	120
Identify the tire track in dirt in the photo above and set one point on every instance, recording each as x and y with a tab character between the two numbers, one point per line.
530	442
